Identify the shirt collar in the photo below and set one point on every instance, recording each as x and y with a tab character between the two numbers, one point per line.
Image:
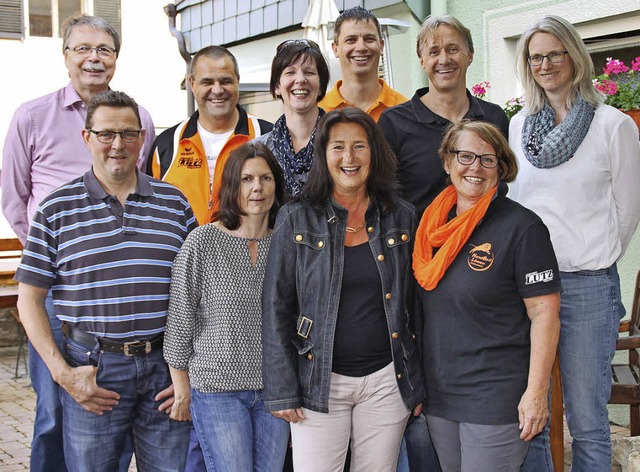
95	190
425	115
71	97
335	100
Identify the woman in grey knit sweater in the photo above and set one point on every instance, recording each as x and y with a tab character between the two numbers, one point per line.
213	337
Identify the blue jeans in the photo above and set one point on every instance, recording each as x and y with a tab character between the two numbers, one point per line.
590	310
420	454
47	452
96	442
236	433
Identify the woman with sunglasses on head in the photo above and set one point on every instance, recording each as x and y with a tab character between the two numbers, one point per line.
488	302
299	77
213	338
579	170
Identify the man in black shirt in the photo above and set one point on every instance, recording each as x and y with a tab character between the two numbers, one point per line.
415	129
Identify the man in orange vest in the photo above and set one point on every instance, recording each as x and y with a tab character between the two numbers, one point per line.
192	154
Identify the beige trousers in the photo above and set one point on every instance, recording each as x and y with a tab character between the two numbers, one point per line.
366	410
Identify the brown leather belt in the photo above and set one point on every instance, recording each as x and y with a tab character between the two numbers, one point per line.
133	348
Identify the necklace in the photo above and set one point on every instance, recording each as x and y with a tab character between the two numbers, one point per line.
356	229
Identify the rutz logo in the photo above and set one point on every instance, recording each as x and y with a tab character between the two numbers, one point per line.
190	162
480	257
535	277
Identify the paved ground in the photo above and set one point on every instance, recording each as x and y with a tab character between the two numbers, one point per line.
17	402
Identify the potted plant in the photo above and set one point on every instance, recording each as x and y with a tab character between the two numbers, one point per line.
621	85
511	106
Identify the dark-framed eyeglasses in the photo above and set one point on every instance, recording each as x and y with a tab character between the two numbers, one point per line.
102	51
554	57
301	42
466	158
107	137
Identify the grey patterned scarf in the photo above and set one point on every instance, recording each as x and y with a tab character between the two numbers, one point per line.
546	145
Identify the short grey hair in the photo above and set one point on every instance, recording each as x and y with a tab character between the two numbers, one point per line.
94	22
214	52
431	24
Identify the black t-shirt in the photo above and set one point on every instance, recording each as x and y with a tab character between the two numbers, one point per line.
361	344
476	340
415	133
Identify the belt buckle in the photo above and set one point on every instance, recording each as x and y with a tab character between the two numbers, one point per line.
136	345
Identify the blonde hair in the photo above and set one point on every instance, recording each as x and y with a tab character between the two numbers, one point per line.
431	24
581	82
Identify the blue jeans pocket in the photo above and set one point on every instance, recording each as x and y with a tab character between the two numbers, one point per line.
78	355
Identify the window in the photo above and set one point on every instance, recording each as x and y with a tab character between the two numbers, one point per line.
11	19
46	17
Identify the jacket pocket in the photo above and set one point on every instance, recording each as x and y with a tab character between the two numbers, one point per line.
314	241
306	361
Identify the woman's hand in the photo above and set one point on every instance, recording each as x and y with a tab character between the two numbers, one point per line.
533	412
292	415
180	409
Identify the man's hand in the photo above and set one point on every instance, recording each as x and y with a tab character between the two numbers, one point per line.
80	383
292	415
167	396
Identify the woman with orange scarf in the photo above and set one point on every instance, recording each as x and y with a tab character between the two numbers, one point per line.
488	300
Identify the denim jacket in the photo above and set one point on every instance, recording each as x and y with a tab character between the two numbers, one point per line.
301	295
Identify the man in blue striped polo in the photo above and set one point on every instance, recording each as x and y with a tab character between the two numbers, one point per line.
105	243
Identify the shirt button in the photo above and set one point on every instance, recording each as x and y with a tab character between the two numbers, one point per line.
320	244
310	356
394	336
388	296
298	237
399	376
381	257
370	229
413	336
391	241
405	237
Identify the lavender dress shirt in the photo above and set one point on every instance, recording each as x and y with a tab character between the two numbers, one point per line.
44	149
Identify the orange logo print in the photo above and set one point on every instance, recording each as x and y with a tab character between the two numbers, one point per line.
480	257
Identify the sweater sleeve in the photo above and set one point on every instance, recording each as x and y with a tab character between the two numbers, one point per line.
184	302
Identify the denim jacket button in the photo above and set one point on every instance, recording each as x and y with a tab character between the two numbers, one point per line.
405	237
399	376
394	336
388	296
298	237
320	244
391	241
381	257
370	229
310	356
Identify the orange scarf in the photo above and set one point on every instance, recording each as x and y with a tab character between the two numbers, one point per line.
435	232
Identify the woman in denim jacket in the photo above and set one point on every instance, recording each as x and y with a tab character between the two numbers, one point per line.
339	355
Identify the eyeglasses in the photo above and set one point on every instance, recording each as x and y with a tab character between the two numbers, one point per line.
107	137
553	57
292	42
466	158
102	51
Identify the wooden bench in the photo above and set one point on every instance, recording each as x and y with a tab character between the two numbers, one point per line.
626	377
10	254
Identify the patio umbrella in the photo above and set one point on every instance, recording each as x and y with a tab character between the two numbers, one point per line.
316	27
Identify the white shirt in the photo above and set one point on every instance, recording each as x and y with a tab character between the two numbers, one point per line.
590	203
213	144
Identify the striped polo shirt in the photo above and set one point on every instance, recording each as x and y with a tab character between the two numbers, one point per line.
109	266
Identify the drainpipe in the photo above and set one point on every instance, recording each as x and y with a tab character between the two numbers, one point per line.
171	12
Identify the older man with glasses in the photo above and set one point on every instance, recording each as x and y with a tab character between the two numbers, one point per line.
43	149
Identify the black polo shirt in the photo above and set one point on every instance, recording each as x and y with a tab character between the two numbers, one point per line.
476	332
415	133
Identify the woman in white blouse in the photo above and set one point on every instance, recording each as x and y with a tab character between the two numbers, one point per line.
579	166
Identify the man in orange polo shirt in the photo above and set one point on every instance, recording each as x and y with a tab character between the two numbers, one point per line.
192	154
357	43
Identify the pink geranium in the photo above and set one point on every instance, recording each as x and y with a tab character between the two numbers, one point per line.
480	90
614	66
606	86
620	84
635	64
